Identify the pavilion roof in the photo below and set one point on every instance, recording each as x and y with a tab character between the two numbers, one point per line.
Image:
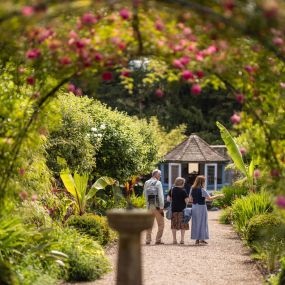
195	149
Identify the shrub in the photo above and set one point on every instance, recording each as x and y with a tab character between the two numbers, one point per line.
246	207
71	140
93	138
108	199
138	201
94	226
32	212
226	216
28	253
260	224
86	258
231	193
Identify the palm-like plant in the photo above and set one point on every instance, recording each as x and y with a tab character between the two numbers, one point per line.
235	154
77	187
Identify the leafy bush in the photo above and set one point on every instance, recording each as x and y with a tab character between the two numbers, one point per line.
111	197
33	213
266	236
71	140
94	138
246	207
92	225
86	258
226	216
29	253
138	201
231	193
260	224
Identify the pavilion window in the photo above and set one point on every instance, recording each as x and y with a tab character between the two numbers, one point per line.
220	174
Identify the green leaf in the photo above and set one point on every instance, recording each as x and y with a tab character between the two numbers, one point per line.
251	168
100	183
69	183
81	182
233	149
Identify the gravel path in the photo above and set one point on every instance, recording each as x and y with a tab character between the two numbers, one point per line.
224	261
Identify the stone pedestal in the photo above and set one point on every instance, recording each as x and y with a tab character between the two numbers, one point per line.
129	224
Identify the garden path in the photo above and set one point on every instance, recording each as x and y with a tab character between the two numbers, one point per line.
223	261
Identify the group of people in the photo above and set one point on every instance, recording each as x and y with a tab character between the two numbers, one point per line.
179	199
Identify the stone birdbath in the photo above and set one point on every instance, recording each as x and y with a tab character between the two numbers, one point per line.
129	224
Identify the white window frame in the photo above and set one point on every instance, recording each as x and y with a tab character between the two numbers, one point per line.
215	177
170	183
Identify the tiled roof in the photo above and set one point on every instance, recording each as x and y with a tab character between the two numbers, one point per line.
194	149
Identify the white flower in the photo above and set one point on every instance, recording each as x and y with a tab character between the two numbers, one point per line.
94	129
103	127
99	135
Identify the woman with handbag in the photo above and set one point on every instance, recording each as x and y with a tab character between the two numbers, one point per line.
179	199
198	196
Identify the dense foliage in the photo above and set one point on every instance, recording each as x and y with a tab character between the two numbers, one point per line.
259	225
93	138
230	194
173	106
94	226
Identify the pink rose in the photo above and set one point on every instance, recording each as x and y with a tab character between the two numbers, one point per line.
240	98
159	93
199	74
31	80
33	53
184	60
235	119
98	56
280	201
196	89
88	18
125	13
177	64
256	173
278	41
187	74
159	25
27	11
71	87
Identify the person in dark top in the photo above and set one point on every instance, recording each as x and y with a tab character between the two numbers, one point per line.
179	199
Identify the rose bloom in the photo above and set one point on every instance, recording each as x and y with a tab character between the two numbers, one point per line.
125	14
196	89
33	53
235	119
280	201
27	11
159	93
